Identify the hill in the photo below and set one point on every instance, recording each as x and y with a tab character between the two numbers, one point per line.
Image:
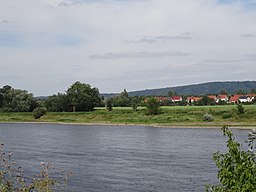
201	89
198	89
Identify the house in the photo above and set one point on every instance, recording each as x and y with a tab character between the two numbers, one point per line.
193	99
234	99
176	99
244	99
222	98
252	96
163	98
213	97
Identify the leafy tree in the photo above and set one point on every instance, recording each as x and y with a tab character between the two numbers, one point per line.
135	101
205	101
236	168
240	109
17	100
83	97
109	104
57	103
153	106
39	112
121	100
1	100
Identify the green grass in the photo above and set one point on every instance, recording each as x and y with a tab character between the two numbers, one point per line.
170	116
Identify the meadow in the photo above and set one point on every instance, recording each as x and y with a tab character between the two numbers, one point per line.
170	116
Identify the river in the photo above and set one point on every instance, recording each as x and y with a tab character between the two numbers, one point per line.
120	158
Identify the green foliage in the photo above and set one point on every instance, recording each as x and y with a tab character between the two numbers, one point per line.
205	101
16	100
236	168
39	112
135	101
122	100
57	103
208	117
153	106
109	104
240	109
12	178
83	97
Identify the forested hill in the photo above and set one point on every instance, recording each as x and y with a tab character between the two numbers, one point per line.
200	89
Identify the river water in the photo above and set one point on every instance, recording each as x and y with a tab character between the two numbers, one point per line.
120	158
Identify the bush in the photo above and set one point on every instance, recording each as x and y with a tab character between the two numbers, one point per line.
240	109
39	112
109	104
208	117
236	168
153	106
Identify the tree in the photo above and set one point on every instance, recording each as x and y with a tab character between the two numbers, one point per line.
236	168
135	101
240	109
16	100
206	101
57	103
172	93
121	100
39	112
83	97
153	106
109	104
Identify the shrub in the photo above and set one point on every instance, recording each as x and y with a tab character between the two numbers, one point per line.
208	117
153	106
12	178
39	112
240	109
109	104
236	168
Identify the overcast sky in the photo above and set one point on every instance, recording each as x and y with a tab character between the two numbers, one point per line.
46	45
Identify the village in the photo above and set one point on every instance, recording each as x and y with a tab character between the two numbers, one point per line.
217	99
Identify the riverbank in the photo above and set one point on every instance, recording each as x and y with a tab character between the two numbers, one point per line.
173	117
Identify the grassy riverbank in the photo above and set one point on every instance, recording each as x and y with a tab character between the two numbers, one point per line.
171	116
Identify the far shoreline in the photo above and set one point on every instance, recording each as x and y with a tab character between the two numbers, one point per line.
239	127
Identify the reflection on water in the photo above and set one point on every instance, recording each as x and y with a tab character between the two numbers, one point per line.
120	158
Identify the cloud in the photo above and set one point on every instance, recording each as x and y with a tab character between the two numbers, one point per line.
117	44
144	54
249	35
162	38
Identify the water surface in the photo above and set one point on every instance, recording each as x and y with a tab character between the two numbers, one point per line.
120	158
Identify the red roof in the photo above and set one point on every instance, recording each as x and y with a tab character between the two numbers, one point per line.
222	96
176	98
194	98
212	97
234	98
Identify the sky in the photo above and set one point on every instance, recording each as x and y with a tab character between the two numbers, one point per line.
47	45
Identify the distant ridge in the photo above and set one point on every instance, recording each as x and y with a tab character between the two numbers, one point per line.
197	89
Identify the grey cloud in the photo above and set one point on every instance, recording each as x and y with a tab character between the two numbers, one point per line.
4	21
249	35
162	38
143	54
220	61
68	3
250	56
